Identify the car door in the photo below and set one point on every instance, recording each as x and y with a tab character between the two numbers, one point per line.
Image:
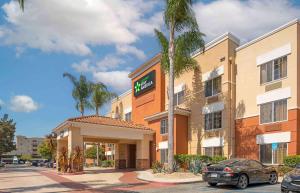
256	171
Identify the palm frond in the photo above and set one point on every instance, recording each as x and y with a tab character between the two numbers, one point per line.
22	4
164	44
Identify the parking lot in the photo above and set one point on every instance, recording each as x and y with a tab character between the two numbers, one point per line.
36	179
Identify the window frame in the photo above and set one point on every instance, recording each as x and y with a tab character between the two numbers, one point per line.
273	112
212	87
166	126
213	151
273	71
272	161
126	114
213	119
176	103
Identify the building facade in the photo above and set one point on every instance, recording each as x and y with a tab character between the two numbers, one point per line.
27	146
240	101
268	93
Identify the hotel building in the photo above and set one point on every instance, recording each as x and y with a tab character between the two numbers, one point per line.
241	101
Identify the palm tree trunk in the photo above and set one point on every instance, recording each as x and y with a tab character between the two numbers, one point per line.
97	111
171	102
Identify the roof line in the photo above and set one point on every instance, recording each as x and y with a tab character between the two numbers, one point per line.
292	22
122	95
216	41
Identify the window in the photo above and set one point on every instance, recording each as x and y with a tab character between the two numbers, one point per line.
178	98
128	116
213	151
213	86
164	156
273	153
273	111
164	126
213	120
273	70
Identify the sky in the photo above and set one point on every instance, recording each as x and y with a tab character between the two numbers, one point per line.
103	40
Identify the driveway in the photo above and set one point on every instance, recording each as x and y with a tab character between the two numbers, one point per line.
34	179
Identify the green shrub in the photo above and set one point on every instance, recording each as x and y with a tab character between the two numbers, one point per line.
283	170
195	163
107	163
217	159
157	167
291	160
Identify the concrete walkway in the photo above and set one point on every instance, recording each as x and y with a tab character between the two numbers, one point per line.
175	178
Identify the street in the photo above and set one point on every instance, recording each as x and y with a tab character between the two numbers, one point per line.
34	179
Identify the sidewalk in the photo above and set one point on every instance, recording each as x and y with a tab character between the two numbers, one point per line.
174	178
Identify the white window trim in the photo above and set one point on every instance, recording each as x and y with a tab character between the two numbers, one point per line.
128	110
163	145
275	95
213	74
179	88
273	54
213	142
214	107
279	137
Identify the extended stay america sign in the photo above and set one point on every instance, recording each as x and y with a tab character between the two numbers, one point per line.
144	84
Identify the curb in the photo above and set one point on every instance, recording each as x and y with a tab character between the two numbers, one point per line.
162	182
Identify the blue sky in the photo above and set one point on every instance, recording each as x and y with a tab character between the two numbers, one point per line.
103	40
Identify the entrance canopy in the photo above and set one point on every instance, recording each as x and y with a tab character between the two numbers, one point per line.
131	140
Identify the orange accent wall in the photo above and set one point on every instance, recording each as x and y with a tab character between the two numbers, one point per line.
152	101
248	128
181	134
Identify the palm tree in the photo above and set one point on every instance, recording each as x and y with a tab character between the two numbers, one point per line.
184	39
81	92
100	96
21	2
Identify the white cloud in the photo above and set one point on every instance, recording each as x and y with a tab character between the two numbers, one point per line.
83	66
246	19
118	80
127	49
23	103
73	26
109	62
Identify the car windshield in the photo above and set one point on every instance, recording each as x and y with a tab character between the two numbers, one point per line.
231	162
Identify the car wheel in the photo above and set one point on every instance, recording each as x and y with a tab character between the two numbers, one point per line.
212	184
242	182
273	178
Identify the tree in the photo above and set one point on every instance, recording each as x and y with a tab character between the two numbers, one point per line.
81	92
100	96
47	149
26	157
21	2
184	39
91	152
7	134
44	150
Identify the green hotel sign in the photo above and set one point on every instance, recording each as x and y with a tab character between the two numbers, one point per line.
144	84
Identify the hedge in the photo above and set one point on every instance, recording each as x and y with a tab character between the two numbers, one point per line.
292	160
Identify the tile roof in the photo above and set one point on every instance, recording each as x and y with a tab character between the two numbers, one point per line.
94	119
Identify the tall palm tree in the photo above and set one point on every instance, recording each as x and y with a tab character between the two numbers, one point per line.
81	92
100	96
184	38
21	2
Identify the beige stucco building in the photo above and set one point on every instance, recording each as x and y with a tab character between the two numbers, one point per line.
240	101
